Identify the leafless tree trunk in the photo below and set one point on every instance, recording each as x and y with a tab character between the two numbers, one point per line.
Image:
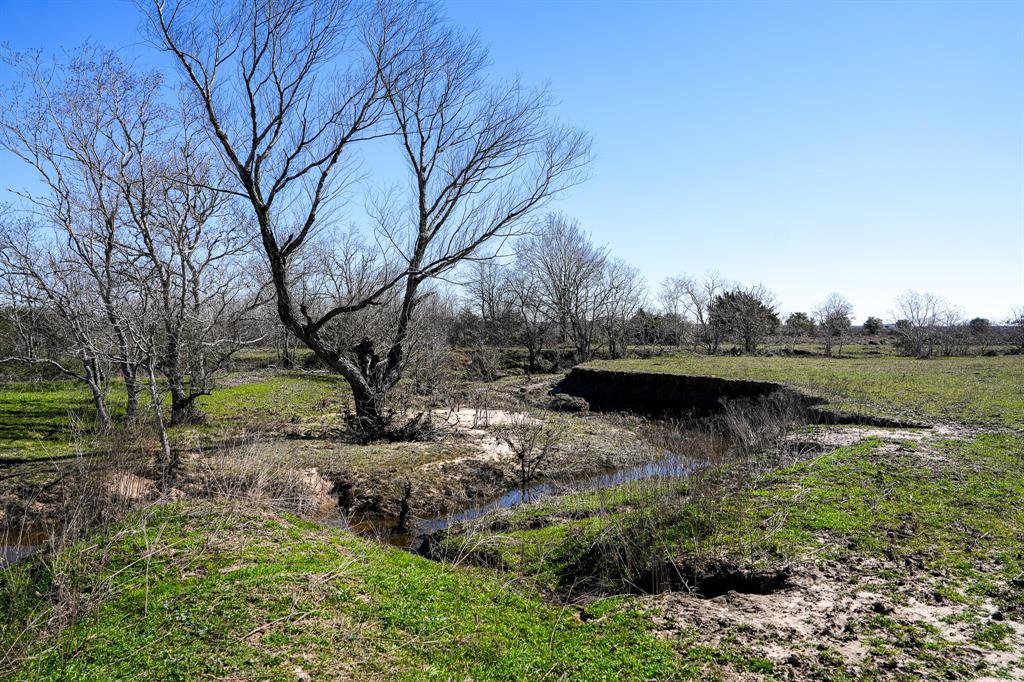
131	204
482	159
62	128
525	290
625	293
570	268
193	251
51	317
917	320
1016	324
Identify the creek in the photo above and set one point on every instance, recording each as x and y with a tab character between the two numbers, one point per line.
388	527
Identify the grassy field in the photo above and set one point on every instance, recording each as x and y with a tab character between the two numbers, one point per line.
53	418
191	591
979	390
225	594
913	537
966	506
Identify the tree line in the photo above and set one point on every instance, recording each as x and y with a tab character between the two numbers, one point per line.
560	291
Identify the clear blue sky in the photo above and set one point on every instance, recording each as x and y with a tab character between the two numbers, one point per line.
864	148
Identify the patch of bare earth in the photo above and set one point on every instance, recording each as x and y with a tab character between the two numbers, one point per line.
842	615
852	614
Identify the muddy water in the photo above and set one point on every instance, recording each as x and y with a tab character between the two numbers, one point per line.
668	465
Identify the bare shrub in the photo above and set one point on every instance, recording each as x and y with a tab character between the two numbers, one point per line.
758	430
246	473
531	442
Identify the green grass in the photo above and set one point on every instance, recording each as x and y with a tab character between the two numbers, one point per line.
958	512
36	418
957	516
979	390
260	596
52	418
279	397
961	509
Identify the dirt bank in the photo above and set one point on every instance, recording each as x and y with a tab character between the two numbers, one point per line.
684	394
467	465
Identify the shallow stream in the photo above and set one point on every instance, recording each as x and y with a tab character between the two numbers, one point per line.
20	543
386	528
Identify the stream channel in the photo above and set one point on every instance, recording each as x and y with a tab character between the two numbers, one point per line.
387	528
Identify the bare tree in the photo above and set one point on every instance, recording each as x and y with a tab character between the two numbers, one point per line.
952	333
834	316
491	300
131	204
692	298
917	321
490	316
192	250
67	122
1016	324
525	290
52	313
289	89
143	330
571	271
624	294
670	298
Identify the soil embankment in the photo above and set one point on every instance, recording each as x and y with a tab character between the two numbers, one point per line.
687	394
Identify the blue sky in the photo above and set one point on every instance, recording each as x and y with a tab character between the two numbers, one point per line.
864	148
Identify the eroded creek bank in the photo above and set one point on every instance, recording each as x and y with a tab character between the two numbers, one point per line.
403	491
404	504
472	472
661	394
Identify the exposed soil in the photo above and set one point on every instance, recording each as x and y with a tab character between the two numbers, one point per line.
846	613
470	465
869	616
664	393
